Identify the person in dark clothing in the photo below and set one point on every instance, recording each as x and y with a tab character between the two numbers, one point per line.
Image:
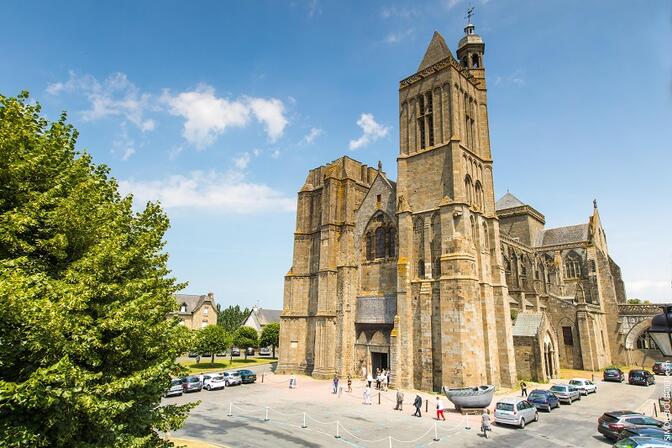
418	404
523	389
400	400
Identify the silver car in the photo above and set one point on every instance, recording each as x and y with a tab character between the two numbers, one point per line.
585	386
566	393
175	388
515	411
232	378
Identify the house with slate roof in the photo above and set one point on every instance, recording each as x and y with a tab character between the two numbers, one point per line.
260	317
196	311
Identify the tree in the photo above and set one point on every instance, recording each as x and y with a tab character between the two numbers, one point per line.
86	348
270	335
232	317
246	337
212	339
637	302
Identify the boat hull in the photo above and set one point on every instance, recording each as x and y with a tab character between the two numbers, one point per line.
470	397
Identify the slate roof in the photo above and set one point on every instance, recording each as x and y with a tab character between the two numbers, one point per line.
563	235
527	324
191	300
436	51
508	201
268	316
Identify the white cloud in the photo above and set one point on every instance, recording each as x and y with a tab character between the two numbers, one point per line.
516	78
207	116
394	11
256	152
221	193
312	135
394	38
654	290
114	96
275	154
123	143
372	131
242	161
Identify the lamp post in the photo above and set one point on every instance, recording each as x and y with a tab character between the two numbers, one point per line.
661	330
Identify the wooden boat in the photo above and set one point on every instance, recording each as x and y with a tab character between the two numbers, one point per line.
470	397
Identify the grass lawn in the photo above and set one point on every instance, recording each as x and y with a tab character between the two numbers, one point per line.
221	364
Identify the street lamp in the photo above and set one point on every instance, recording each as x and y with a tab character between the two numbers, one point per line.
661	330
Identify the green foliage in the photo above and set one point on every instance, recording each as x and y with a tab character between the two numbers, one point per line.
212	339
514	314
86	348
270	336
637	302
232	317
246	337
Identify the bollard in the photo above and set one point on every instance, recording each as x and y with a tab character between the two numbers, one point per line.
230	414
467	427
266	417
655	410
390	439
378	397
436	433
304	421
427	405
262	377
338	435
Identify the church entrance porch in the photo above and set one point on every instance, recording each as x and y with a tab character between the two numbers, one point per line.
379	361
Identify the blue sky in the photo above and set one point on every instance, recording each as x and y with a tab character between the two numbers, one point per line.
219	109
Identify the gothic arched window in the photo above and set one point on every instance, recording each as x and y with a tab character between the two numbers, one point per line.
469	189
572	266
380	242
474	61
369	246
391	242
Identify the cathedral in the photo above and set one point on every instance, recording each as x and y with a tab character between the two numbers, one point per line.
429	276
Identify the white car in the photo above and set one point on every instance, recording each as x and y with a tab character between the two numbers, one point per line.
584	386
212	381
515	411
232	378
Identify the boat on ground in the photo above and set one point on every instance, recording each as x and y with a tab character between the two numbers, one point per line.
470	397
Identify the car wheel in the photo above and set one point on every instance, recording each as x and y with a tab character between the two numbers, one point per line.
226	383
548	408
536	416
569	402
522	423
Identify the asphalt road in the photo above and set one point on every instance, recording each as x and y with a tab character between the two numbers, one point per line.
371	426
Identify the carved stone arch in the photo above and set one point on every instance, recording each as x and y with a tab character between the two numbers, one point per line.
379	338
362	338
635	332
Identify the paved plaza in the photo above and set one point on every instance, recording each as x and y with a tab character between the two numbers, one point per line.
379	425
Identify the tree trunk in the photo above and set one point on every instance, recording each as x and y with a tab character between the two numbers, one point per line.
273	351
212	361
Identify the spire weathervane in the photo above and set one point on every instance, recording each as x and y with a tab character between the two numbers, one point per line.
470	13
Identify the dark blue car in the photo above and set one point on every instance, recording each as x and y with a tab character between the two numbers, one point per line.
543	399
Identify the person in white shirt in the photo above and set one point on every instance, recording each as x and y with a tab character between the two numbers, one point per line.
439	409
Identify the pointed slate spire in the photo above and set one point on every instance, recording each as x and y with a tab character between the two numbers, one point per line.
508	201
436	51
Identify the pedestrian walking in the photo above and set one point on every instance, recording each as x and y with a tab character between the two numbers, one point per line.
292	381
335	385
400	400
378	381
366	395
198	359
349	384
439	409
369	380
523	389
485	422
384	379
418	405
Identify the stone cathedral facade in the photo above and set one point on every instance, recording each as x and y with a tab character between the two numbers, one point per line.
420	276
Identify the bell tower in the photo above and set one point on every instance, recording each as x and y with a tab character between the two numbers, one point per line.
470	50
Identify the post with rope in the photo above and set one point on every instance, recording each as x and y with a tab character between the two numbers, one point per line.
378	397
426	405
390	439
304	421
338	435
266	417
230	414
262	377
436	433
467	427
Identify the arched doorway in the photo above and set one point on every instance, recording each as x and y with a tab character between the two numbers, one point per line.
549	357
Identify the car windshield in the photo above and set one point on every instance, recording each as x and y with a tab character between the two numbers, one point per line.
176	382
218	377
536	397
193	379
504	407
234	374
575	382
611	371
558	388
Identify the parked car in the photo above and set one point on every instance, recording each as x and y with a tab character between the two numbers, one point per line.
645	431
247	376
249	351
212	381
565	393
232	378
584	386
235	351
193	354
515	411
610	424
175	388
192	384
543	399
641	377
642	442
264	351
662	368
613	374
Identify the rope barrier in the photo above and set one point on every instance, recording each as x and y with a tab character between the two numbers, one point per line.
433	427
359	438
